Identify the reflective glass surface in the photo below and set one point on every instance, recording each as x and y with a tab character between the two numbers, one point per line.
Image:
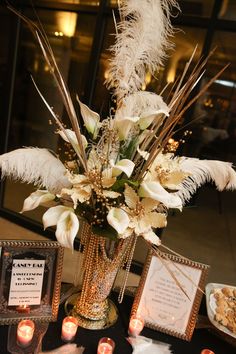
228	10
72	2
201	8
70	35
214	135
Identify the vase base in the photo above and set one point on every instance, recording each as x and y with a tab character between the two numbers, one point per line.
109	321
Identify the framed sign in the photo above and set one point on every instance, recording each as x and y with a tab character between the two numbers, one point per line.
168	297
30	280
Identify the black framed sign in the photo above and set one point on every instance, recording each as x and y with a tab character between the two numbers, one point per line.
160	300
30	280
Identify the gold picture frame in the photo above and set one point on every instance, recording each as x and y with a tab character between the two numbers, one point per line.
30	280
165	305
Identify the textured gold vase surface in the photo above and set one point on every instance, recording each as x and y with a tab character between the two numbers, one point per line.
102	260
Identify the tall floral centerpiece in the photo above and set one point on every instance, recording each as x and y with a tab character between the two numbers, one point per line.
124	177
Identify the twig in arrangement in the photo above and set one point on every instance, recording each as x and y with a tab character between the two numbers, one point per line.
175	265
186	69
57	120
164	261
169	125
61	85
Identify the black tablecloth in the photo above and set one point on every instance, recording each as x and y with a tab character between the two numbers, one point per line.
201	339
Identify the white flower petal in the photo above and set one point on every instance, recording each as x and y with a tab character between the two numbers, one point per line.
155	219
52	215
67	229
118	219
125	166
131	197
149	204
150	236
147	119
70	137
154	190
123	125
37	198
107	182
111	194
94	161
91	119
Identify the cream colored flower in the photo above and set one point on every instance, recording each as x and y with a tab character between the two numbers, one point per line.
118	219
143	216
153	189
84	185
91	119
66	221
70	137
121	166
167	171
146	120
40	197
124	125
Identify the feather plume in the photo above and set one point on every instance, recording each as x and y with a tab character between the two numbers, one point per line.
140	104
141	43
202	171
37	166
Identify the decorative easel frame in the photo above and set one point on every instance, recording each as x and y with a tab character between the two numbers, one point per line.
158	263
50	253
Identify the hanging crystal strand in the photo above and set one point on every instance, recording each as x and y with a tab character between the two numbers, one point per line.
80	255
130	253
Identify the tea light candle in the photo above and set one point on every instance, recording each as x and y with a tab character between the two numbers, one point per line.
69	328
25	332
136	325
105	346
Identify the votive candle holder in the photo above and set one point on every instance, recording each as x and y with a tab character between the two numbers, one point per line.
69	328
25	332
105	346
136	325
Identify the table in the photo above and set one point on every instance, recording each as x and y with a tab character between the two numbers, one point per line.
201	339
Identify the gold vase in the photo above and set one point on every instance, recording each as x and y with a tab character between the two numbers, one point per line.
102	260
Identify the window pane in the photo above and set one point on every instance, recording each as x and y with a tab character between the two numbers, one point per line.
228	10
70	35
201	8
71	2
218	129
7	21
185	41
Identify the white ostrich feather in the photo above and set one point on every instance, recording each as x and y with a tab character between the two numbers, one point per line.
37	166
141	43
202	171
142	103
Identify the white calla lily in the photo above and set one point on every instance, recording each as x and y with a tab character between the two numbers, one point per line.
123	126
152	189
118	219
91	119
67	229
37	198
125	166
70	137
66	221
146	120
52	215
